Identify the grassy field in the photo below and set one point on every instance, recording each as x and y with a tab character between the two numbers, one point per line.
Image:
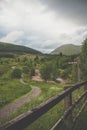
47	91
11	90
49	119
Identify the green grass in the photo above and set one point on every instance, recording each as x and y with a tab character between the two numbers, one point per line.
4	68
77	93
47	121
47	91
82	121
11	90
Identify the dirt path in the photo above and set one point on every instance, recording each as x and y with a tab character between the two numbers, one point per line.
37	76
10	108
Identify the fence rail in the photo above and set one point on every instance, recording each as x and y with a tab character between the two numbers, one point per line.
21	122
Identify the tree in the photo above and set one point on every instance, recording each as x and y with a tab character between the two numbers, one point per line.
32	72
49	71
36	59
45	71
84	60
54	71
16	73
26	69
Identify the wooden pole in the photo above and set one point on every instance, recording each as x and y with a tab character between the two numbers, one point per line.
68	104
78	66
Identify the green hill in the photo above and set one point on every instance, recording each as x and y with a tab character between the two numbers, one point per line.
68	49
12	48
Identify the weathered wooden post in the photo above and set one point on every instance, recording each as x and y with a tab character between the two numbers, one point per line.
68	99
67	105
78	68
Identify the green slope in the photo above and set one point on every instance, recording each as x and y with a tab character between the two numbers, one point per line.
6	47
68	49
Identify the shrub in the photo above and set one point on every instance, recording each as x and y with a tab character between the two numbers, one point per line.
16	73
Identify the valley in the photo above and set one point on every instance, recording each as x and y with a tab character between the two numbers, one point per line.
27	80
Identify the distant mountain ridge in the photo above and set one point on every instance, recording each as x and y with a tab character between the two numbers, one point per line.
8	47
67	49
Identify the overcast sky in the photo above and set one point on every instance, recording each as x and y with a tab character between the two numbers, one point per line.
43	24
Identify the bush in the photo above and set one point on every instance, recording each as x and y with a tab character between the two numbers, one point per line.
16	73
26	69
32	72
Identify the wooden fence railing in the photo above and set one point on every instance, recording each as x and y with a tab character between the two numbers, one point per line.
23	121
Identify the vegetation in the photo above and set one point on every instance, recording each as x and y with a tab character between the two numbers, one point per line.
47	121
3	69
84	60
49	71
81	124
11	90
16	73
51	117
6	47
57	66
47	91
50	67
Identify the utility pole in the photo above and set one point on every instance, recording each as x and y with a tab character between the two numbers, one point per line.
78	68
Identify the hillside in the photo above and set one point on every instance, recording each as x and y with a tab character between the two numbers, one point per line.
6	47
68	49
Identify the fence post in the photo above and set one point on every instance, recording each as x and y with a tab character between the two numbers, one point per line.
67	105
68	99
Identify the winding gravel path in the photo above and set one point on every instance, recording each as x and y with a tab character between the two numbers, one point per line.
8	109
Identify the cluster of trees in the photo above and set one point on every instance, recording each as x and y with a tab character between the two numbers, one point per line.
49	71
57	67
26	66
7	55
17	66
83	59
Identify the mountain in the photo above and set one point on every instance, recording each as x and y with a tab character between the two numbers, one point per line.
6	47
68	49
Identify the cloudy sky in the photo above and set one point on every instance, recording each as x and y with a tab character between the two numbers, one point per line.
43	24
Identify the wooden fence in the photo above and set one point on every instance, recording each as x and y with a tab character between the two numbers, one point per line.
23	121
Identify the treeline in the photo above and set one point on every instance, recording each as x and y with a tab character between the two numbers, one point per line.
7	55
83	59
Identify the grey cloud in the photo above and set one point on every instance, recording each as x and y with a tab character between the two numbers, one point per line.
70	9
41	30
